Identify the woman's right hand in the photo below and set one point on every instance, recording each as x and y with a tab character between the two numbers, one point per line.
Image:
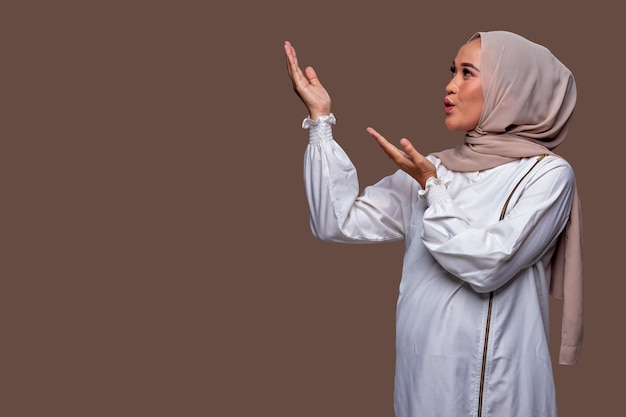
307	86
407	159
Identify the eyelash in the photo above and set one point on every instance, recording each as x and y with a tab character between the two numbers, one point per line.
466	72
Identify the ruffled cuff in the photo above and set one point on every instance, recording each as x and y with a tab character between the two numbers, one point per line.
436	191
320	129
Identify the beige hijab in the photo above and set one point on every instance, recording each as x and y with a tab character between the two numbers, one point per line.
529	101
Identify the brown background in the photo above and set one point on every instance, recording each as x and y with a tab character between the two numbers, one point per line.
157	257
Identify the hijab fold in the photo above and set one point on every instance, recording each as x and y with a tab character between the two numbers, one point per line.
529	99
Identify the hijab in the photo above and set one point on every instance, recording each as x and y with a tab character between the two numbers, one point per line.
529	99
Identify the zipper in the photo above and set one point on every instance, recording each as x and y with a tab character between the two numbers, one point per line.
539	158
490	306
484	363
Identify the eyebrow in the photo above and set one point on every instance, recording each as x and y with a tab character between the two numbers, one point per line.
466	64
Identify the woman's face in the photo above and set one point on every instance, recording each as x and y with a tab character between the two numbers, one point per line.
464	100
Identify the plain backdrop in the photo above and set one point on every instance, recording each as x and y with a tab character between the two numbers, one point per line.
156	253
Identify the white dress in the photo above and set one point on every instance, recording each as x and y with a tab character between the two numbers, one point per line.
472	318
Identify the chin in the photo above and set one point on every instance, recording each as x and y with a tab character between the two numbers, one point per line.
452	127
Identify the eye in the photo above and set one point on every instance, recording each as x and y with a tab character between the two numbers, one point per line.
467	73
453	70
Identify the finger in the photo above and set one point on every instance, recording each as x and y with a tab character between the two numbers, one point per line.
410	150
292	63
390	149
379	138
384	143
311	75
419	160
290	52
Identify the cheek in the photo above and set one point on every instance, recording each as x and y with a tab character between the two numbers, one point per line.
475	94
477	101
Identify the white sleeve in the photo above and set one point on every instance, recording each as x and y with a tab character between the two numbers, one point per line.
337	212
488	257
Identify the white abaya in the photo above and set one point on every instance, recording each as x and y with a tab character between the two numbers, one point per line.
457	353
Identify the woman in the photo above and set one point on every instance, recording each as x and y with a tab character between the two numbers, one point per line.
491	227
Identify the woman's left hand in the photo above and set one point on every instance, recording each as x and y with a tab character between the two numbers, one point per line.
407	159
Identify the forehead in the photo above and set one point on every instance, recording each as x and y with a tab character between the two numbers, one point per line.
469	53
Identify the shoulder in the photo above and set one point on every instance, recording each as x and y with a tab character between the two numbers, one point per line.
551	169
553	163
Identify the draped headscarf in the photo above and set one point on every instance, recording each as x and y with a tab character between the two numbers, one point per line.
529	99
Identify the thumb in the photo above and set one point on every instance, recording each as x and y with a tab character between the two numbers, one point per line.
311	75
409	149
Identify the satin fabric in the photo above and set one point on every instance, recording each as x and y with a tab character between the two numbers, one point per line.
529	101
456	252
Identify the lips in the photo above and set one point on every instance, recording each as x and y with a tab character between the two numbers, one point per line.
447	105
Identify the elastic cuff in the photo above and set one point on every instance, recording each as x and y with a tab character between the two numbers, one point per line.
308	122
320	130
436	190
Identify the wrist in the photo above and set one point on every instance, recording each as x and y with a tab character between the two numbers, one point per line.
314	115
430	181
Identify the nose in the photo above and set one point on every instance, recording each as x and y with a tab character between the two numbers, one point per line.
452	88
